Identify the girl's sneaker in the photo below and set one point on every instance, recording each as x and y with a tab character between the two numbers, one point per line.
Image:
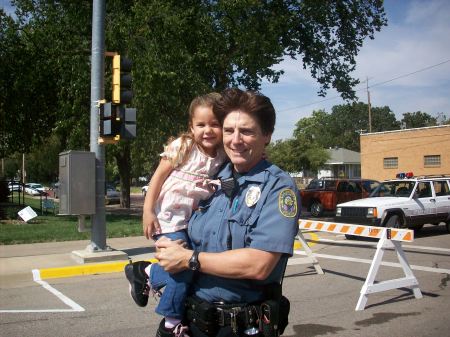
136	275
178	331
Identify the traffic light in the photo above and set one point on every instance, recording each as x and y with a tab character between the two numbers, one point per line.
116	121
109	121
127	122
121	86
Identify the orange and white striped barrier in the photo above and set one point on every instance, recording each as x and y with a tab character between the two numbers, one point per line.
359	230
388	238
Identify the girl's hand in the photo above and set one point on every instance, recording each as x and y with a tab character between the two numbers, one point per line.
150	224
165	242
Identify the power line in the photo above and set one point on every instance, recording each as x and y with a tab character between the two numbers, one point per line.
376	84
409	74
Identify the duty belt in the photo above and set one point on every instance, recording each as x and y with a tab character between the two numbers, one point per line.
246	314
209	315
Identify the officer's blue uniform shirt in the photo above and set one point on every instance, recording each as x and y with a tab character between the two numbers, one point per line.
263	215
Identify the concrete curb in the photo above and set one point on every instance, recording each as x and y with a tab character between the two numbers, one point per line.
93	269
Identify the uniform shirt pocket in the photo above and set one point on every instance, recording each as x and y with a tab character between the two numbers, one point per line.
240	227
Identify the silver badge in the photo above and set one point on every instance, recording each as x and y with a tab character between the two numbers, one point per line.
252	196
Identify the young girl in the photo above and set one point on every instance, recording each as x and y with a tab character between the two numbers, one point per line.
181	180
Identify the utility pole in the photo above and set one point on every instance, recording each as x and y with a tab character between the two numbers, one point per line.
98	231
368	104
97	250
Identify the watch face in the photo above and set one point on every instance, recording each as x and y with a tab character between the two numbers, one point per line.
193	265
193	262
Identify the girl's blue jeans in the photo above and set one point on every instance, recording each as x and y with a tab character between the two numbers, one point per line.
171	303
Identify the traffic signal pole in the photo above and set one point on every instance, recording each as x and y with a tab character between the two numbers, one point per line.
97	250
98	231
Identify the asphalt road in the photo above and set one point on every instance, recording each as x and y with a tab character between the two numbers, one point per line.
321	305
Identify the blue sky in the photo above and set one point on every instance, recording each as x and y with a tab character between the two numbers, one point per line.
417	37
415	46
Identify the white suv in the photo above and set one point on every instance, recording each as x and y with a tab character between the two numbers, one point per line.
403	203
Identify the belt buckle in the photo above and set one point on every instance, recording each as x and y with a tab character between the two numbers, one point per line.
221	318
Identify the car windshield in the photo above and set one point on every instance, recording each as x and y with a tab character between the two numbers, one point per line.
370	185
394	189
318	184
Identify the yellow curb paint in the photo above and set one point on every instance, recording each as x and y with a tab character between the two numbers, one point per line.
313	241
89	269
114	267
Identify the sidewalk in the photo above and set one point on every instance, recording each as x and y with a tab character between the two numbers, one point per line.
17	261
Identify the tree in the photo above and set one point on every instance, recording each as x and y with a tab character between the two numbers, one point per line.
342	127
46	79
180	49
295	155
417	119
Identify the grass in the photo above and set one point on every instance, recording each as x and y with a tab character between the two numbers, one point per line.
49	227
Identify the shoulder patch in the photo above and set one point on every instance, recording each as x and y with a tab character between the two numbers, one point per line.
287	203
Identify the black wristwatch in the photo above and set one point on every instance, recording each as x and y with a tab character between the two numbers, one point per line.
194	263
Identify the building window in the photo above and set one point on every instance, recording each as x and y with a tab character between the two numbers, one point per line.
432	161
390	162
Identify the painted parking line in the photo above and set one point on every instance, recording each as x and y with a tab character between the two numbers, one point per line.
374	244
74	307
295	261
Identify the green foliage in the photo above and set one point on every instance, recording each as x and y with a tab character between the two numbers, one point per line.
417	119
297	154
342	127
180	49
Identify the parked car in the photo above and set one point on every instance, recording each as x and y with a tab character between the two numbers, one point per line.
406	202
322	195
14	186
112	195
34	189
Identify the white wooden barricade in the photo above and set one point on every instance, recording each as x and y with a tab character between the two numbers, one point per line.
388	238
311	258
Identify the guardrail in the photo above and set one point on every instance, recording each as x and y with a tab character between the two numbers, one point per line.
388	238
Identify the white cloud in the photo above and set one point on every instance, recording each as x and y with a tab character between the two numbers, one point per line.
417	37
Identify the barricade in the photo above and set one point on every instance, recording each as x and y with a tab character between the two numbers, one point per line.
388	238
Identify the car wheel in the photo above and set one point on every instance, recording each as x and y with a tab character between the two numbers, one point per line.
395	221
316	209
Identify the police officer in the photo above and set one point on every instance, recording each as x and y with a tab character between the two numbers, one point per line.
243	235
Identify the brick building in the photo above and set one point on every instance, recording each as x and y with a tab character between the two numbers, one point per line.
423	151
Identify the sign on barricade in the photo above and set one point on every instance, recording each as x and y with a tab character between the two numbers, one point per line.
388	238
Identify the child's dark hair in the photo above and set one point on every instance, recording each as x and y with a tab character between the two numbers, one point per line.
187	138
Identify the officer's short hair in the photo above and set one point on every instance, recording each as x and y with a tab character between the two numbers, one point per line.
250	102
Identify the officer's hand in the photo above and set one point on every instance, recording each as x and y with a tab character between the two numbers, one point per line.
150	224
173	257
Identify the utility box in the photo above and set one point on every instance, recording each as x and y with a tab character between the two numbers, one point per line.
77	183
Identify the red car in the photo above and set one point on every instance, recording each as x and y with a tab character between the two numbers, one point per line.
322	195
